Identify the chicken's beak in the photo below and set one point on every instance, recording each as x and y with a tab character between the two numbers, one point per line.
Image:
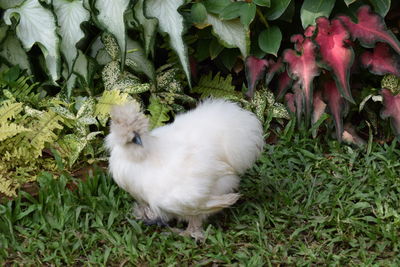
137	140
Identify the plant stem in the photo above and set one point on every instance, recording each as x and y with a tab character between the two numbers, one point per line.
262	18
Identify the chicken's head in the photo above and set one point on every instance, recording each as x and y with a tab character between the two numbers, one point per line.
129	128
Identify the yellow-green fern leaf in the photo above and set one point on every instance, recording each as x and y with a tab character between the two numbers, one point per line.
43	131
106	101
8	130
218	87
158	112
9	110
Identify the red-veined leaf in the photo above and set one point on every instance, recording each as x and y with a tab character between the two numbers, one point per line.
273	68
319	107
336	105
391	109
381	61
289	100
255	69
302	67
338	57
284	83
370	29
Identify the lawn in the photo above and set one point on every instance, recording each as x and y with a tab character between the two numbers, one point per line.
306	202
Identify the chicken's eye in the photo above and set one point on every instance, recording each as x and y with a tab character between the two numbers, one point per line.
136	139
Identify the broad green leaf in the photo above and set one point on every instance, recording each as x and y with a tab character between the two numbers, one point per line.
215	48
381	6
111	18
170	22
6	4
349	2
270	39
70	15
312	9
13	52
149	27
232	11
247	14
37	25
198	13
276	9
137	60
230	33
216	7
266	3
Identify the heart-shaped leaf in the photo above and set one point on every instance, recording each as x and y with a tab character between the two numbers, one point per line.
198	13
381	6
381	61
230	33
248	12
370	29
331	38
391	109
336	105
276	9
269	40
255	69
302	67
312	9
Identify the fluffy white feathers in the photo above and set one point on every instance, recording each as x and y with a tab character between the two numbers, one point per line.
189	168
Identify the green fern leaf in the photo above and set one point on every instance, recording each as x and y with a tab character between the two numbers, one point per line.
106	101
158	113
218	87
9	110
43	131
8	130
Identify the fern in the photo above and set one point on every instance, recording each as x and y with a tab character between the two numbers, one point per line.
158	113
8	130
43	131
106	101
218	87
9	110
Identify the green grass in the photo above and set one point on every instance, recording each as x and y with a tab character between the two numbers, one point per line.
303	204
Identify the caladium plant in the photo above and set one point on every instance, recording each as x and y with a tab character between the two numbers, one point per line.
329	47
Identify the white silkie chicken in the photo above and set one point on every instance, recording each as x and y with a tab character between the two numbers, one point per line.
188	169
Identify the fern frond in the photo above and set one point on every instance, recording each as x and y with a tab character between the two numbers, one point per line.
106	101
218	87
158	113
43	131
9	110
6	187
8	130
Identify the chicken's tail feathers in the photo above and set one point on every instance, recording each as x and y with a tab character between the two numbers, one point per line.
216	203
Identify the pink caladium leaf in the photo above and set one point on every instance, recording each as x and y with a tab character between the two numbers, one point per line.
370	29
336	104
289	100
255	69
337	56
303	68
273	68
284	83
319	107
381	61
391	109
